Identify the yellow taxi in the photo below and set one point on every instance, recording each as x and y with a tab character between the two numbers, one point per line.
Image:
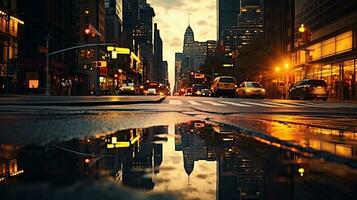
223	85
251	89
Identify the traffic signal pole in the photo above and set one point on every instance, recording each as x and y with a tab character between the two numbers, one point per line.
47	92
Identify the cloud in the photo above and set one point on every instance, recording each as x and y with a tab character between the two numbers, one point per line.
202	23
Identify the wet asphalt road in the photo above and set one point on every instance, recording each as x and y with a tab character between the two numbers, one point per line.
308	134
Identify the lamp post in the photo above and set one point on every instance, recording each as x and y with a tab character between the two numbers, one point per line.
277	70
286	67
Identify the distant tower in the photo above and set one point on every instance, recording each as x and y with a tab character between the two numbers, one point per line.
189	37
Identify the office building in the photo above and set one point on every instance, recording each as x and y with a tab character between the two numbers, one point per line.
227	16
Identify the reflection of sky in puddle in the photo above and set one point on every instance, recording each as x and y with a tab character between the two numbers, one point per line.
203	175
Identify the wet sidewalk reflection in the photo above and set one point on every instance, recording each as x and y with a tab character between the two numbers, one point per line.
191	160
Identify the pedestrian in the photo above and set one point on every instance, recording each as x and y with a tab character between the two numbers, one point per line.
63	87
68	87
346	89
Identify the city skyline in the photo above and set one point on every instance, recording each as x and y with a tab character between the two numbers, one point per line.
203	21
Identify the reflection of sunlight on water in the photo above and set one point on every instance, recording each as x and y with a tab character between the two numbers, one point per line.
333	141
172	176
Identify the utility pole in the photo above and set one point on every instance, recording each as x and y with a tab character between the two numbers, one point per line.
47	69
7	85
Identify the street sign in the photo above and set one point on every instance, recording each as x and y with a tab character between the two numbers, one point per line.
43	50
199	76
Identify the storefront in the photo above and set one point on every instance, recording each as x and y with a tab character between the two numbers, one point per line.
333	60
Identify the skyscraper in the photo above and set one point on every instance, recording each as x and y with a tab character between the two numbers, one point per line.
144	35
158	54
227	16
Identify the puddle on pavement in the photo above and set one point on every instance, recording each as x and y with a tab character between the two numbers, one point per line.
192	160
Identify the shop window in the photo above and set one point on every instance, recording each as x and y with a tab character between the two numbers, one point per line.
315	51
348	70
344	42
32	79
326	74
328	47
33	84
335	79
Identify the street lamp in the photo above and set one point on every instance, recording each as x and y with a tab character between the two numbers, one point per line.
286	65
302	28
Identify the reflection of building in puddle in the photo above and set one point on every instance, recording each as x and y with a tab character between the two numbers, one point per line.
343	150
240	173
239	177
9	165
337	142
91	159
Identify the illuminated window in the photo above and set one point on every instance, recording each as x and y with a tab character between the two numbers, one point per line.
33	84
344	42
328	47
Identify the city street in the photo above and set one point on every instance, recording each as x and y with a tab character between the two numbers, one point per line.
313	144
178	100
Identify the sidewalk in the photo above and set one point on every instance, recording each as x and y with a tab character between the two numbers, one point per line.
78	100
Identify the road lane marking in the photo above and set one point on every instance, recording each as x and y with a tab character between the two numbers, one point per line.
306	104
235	104
175	102
259	104
213	103
281	104
194	103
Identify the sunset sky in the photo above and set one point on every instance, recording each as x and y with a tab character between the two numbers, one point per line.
172	19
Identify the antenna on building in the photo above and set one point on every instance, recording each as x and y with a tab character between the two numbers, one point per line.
189	19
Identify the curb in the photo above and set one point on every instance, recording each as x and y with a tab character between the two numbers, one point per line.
83	103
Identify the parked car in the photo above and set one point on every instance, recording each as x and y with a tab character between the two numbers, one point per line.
309	89
223	85
129	89
251	89
206	93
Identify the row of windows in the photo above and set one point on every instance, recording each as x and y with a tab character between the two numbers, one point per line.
332	46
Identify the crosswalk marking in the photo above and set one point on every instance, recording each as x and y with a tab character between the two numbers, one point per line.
194	103
281	104
213	103
259	104
266	103
235	104
175	102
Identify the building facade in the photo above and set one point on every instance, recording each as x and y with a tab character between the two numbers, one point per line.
331	48
91	16
10	29
45	23
227	15
158	54
144	35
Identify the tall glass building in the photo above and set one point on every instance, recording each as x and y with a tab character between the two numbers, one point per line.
227	16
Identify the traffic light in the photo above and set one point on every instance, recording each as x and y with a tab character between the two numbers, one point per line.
83	53
92	53
86	34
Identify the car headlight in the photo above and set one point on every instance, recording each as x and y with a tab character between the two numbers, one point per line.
132	89
263	90
247	90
